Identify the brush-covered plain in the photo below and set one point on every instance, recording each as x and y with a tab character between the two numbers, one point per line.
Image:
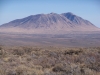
25	60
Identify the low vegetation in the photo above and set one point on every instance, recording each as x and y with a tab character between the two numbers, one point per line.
49	61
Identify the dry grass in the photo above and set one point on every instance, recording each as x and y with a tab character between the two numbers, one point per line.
49	61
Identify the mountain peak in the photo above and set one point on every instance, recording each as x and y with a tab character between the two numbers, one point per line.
69	14
51	22
72	17
52	13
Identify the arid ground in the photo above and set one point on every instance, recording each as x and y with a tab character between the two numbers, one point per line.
63	40
49	61
64	54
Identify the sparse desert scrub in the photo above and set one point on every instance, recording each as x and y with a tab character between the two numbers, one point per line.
49	61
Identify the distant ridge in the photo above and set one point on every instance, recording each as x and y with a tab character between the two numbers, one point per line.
49	23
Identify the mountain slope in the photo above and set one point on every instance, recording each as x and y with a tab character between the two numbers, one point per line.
49	23
77	20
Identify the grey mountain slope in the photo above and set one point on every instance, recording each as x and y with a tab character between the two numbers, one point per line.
77	20
38	21
52	22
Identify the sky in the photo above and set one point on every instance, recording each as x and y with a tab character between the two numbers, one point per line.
17	9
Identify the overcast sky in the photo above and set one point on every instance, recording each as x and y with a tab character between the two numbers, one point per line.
16	9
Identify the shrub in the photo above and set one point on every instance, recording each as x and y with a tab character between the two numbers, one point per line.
0	48
18	52
27	50
71	52
2	53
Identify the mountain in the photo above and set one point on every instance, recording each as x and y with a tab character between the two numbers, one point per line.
49	23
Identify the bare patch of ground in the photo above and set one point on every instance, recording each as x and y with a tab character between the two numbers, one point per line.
62	40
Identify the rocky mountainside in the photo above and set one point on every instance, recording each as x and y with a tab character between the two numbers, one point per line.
49	23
